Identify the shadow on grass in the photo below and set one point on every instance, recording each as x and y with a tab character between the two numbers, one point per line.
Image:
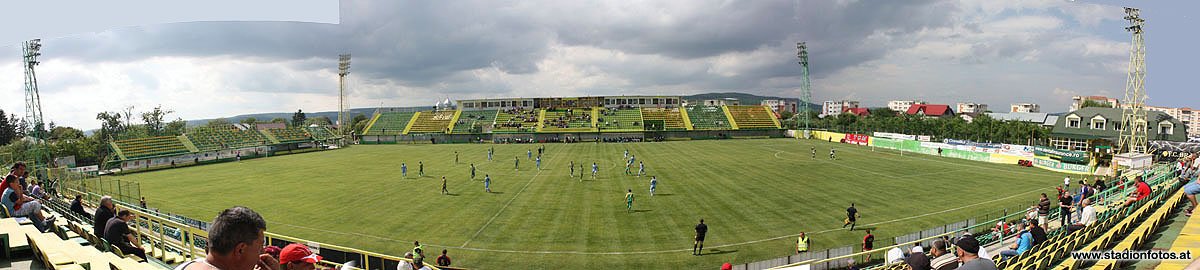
718	252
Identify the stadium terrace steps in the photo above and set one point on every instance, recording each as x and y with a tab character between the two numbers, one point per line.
213	139
389	123
568	120
474	121
515	121
752	117
708	117
673	119
319	133
150	147
1188	240
1113	223
732	121
431	122
454	121
619	120
410	122
288	135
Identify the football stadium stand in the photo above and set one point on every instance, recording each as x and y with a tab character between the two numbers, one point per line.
389	123
664	119
167	239
516	120
708	117
1117	227
620	119
431	122
320	133
289	135
568	120
211	139
149	147
474	122
753	117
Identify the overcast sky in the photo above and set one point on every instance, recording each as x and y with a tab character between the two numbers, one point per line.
410	53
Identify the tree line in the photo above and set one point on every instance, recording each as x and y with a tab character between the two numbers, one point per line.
121	124
982	128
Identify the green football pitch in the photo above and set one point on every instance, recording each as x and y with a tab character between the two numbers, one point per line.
755	195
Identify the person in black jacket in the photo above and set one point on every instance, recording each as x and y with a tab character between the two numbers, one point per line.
77	206
103	214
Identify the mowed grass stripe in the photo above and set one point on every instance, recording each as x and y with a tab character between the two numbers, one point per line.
746	189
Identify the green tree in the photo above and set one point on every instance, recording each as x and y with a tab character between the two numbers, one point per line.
249	120
279	120
7	129
153	119
1095	103
320	121
218	123
299	118
176	127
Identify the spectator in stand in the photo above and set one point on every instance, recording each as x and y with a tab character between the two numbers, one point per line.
967	251
298	257
117	233
1043	211
917	260
235	242
443	261
405	264
1099	185
1191	189
1087	216
273	251
77	206
419	264
106	211
1023	244
35	191
142	202
942	260
18	204
1064	208
1039	235
1143	191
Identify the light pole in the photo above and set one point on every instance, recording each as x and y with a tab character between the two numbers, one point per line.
343	70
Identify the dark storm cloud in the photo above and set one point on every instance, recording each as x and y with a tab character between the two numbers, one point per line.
269	41
429	44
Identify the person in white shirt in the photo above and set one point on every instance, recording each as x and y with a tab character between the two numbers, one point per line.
1066	183
1087	217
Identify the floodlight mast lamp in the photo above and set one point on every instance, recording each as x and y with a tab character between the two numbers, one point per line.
805	85
1134	127
343	116
40	156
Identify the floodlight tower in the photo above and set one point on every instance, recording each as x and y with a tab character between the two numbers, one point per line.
39	154
343	116
805	85
1133	118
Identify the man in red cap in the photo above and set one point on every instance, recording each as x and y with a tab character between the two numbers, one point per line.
297	257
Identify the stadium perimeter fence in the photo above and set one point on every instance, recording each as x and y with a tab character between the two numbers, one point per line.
839	257
189	238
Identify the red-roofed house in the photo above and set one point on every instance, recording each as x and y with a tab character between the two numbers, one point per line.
861	112
931	110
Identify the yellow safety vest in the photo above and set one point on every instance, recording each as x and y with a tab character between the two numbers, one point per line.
802	244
